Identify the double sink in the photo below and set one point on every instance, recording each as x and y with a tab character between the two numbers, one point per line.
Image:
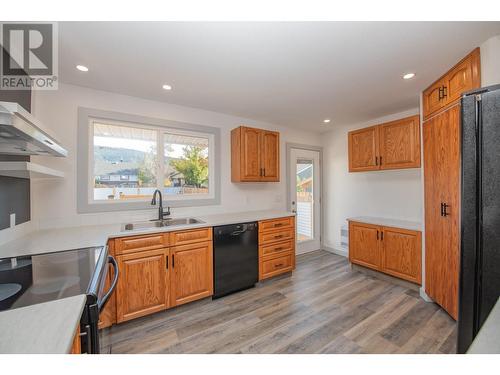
139	225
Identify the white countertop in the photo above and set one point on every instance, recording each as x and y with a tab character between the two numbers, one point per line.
487	340
69	238
47	327
395	223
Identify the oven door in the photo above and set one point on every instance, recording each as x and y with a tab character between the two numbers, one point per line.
97	298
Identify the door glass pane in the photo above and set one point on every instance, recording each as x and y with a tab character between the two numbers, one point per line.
305	200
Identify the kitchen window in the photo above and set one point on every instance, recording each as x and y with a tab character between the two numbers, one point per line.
126	161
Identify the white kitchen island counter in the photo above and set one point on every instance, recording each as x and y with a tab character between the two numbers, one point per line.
45	328
70	238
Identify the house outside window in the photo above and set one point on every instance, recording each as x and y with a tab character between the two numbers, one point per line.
128	160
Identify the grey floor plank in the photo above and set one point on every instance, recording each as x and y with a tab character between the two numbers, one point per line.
322	307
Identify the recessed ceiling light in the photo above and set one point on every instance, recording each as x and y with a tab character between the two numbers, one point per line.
326	120
409	76
167	87
82	68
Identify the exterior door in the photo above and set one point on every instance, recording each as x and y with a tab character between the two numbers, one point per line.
143	284
270	150
192	272
442	183
250	157
365	245
305	196
363	149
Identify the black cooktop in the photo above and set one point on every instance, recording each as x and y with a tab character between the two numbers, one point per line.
29	280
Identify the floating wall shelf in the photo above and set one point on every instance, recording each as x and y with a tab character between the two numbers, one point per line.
25	169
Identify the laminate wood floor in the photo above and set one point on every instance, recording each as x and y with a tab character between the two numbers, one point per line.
323	307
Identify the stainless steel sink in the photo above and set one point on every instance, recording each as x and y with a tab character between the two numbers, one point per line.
161	223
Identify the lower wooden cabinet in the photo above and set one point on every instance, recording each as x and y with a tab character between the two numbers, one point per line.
192	272
143	286
76	347
395	251
153	279
276	246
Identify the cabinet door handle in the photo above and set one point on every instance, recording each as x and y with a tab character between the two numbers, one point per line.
380	160
166	259
377	234
445	92
440	92
381	235
376	160
444	209
264	172
173	260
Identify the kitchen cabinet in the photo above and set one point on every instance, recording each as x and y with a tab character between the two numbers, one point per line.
276	247
159	271
255	155
443	93
192	272
76	347
441	132
391	145
363	149
442	187
143	286
394	251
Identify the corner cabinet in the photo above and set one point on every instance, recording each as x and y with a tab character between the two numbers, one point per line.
255	155
391	145
394	251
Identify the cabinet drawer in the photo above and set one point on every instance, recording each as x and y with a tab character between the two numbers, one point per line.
283	222
277	235
132	244
276	266
277	248
186	237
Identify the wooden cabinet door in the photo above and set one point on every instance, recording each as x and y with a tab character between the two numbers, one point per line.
192	272
143	285
400	143
463	77
269	151
402	253
363	149
432	99
442	185
250	156
364	245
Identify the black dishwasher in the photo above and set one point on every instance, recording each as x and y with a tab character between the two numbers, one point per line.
236	258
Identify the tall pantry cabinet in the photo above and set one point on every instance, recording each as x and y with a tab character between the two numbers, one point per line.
441	138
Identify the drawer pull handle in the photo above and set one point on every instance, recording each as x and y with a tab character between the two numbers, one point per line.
279	236
278	265
278	248
278	225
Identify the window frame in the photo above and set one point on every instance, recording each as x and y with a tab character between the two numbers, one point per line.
85	164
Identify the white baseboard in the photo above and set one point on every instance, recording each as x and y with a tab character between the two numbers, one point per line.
341	252
424	295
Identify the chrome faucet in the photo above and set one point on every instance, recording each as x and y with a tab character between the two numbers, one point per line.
161	213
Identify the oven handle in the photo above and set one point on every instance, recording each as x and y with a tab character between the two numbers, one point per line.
105	298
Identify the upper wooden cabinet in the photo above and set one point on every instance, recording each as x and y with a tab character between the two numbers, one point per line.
464	76
363	149
255	155
392	145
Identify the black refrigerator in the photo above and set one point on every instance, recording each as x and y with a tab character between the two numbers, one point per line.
480	211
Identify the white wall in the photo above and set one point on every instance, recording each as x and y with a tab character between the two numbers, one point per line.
490	61
54	201
391	194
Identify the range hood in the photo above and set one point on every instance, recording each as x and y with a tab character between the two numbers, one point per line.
22	134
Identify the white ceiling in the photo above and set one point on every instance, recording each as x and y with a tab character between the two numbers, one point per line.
291	74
